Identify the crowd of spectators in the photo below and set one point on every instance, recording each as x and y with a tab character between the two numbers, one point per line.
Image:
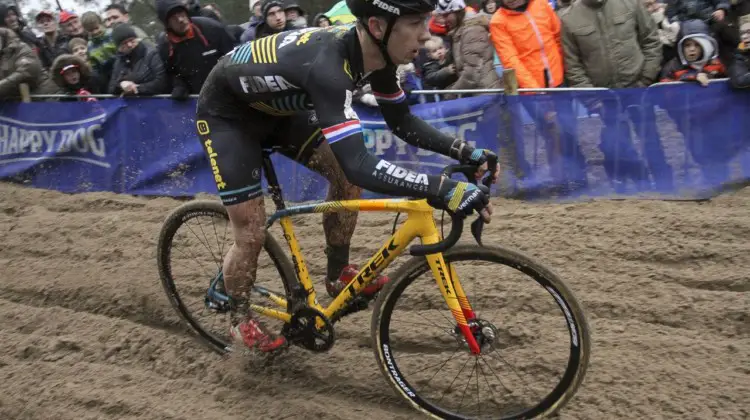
548	43
583	43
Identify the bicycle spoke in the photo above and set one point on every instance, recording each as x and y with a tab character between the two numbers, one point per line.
502	359
187	223
461	402
454	379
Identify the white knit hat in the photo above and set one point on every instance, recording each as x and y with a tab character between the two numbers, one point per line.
448	6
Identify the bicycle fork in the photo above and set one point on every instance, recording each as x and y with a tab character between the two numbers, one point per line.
455	297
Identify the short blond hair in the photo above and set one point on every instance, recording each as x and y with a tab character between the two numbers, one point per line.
434	43
91	21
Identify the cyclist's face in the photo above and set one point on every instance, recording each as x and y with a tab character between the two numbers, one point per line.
408	35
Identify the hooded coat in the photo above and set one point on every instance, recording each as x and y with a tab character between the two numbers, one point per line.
86	85
610	43
189	58
680	69
23	32
19	64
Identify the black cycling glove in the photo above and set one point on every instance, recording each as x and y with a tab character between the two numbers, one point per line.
463	198
464	153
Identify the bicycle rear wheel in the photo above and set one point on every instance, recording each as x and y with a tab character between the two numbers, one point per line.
425	358
196	292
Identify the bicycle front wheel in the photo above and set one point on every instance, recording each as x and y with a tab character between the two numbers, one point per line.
535	337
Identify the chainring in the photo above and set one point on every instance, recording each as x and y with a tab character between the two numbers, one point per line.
302	330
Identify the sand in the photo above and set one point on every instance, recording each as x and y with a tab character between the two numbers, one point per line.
87	332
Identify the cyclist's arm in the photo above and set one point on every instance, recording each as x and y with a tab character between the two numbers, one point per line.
392	101
331	91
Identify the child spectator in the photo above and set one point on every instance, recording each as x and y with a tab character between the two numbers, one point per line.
439	72
488	7
72	74
697	56
79	48
739	70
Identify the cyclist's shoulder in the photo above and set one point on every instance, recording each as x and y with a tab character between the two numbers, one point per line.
313	41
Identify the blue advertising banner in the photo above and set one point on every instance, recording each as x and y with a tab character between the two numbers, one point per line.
668	139
62	146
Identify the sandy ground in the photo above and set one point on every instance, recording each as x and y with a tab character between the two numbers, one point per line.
87	332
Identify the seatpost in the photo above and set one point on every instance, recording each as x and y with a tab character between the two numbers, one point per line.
273	182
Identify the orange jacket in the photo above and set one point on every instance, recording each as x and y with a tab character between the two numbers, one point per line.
529	42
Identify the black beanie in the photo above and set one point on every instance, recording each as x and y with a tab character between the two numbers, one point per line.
268	4
122	32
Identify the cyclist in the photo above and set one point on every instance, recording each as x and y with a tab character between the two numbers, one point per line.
293	91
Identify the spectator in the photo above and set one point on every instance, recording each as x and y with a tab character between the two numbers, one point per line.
71	25
713	13
212	11
667	30
321	21
705	10
274	21
697	56
11	19
138	69
101	49
19	64
116	14
488	7
73	76
256	16
191	47
472	52
739	70
52	43
79	48
623	55
439	72
296	16
526	36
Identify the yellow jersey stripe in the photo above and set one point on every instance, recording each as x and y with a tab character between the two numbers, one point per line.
458	194
273	48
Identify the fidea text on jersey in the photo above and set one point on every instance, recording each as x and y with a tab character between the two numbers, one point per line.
264	84
402	177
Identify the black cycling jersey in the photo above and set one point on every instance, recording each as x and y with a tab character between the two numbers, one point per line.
317	69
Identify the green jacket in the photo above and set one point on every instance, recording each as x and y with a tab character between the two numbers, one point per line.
610	43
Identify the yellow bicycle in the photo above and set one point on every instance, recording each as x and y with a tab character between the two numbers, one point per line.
479	349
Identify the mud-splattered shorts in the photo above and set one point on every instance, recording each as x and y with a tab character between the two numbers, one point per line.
234	148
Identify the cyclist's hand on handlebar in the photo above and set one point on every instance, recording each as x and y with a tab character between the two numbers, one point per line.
463	198
483	168
479	158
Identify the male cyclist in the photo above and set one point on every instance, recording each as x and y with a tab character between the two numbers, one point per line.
293	91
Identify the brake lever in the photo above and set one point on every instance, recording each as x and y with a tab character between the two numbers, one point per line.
476	229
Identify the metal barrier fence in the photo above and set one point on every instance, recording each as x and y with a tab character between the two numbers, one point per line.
547	152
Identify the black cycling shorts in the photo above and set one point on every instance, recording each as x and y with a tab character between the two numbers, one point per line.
234	148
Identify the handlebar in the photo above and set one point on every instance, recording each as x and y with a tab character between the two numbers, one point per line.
457	223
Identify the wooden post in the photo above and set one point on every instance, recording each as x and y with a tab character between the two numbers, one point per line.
508	153
25	92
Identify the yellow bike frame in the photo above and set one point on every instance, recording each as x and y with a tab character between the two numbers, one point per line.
419	223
